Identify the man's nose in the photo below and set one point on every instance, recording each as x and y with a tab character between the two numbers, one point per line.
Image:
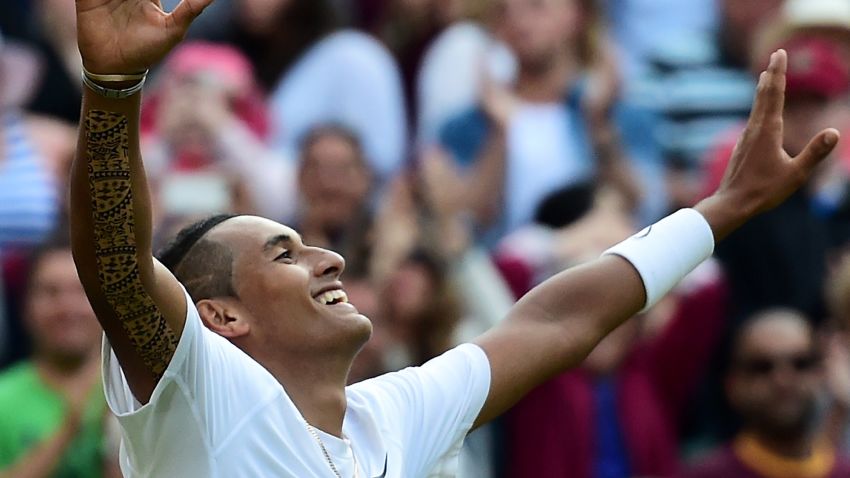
328	263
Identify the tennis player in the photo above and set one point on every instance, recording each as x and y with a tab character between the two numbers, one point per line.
229	357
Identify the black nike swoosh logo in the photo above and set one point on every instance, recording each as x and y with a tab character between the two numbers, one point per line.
384	473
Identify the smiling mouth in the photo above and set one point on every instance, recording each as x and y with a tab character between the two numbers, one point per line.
331	297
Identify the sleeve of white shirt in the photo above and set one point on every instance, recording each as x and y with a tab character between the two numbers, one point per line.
208	388
431	408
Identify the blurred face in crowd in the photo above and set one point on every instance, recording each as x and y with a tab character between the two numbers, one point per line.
261	15
288	294
775	377
334	181
740	22
409	292
58	315
537	30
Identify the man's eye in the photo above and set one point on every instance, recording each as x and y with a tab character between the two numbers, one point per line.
284	255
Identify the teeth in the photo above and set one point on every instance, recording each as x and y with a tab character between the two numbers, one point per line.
332	295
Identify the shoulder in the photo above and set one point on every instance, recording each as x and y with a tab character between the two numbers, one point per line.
459	368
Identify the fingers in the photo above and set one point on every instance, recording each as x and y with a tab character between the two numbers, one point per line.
818	148
187	10
770	94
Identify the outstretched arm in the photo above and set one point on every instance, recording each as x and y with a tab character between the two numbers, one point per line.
559	322
138	302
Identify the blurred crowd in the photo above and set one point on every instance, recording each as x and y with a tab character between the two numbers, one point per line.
457	153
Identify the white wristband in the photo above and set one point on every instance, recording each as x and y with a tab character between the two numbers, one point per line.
665	252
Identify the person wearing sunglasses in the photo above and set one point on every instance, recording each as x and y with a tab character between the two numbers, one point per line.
774	383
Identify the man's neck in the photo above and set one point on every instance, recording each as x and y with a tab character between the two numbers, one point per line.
546	82
316	387
58	371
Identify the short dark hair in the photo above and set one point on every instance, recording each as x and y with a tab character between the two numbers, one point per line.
333	129
566	205
202	265
741	333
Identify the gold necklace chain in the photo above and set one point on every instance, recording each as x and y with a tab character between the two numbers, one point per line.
312	430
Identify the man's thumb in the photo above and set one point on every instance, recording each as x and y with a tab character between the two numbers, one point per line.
818	148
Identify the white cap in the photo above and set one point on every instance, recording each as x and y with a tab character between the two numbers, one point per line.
817	13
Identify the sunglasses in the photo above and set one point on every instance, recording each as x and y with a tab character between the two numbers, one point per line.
764	366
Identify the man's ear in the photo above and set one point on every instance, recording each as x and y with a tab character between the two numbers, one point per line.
224	317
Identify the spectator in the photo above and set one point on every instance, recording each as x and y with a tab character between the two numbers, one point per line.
621	413
549	129
773	382
409	28
205	131
837	360
780	258
52	412
450	74
29	197
701	85
35	155
318	74
824	18
639	27
55	36
335	184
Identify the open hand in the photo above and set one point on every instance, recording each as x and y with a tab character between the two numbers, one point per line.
130	36
760	174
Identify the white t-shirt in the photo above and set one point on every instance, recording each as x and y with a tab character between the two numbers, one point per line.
218	413
542	156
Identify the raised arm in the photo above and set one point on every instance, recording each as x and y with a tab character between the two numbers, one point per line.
138	302
559	322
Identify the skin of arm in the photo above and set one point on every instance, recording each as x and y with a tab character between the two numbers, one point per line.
139	304
558	323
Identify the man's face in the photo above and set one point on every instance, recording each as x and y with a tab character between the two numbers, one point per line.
58	315
775	379
536	30
291	292
334	181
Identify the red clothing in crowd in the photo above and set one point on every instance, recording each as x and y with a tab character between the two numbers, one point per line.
653	386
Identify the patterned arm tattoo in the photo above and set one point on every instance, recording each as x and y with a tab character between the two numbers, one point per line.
115	247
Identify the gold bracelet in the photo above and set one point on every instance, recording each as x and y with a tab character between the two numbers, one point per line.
115	78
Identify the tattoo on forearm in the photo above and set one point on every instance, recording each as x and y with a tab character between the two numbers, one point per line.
115	243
